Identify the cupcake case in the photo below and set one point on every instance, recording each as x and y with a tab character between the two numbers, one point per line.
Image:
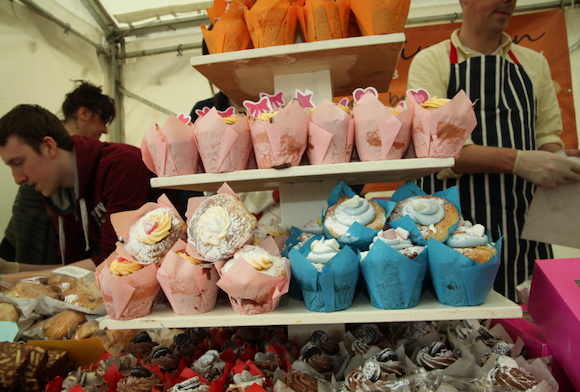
304	189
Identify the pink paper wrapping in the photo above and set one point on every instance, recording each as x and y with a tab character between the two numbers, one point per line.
330	135
442	133
379	134
170	151
123	221
222	147
243	283
131	296
190	289
282	139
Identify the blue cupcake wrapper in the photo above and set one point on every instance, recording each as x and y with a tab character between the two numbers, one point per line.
393	280
458	280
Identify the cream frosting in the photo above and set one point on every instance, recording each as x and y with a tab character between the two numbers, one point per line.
266	116
468	236
321	251
231	120
435	102
154	226
260	259
355	209
425	212
122	267
192	260
396	238
213	225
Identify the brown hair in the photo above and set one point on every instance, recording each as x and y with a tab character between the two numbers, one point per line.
90	96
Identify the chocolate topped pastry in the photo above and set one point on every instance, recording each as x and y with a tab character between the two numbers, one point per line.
507	372
300	381
322	363
356	380
164	358
124	364
88	379
327	345
436	356
267	362
209	366
141	345
389	362
368	333
191	385
183	346
244	380
141	379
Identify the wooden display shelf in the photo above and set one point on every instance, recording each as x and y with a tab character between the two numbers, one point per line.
291	312
268	179
351	63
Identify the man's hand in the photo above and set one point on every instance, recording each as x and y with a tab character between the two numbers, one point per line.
546	169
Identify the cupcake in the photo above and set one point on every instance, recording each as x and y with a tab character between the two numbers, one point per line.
188	283
141	379
330	289
87	379
224	143
280	137
164	358
128	288
381	133
436	356
170	150
393	251
255	278
471	241
330	134
507	373
340	217
141	345
190	385
380	17
209	366
220	226
271	23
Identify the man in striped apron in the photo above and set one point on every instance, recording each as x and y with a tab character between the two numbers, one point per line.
511	151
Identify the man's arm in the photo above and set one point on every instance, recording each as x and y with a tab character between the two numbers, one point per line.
31	270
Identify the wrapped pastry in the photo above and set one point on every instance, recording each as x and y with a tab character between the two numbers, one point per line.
188	283
229	32
219	225
381	133
324	19
330	134
62	325
255	278
224	143
380	16
170	150
271	22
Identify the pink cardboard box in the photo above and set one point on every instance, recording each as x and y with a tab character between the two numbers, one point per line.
555	307
529	332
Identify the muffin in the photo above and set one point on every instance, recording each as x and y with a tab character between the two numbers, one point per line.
140	379
339	218
471	241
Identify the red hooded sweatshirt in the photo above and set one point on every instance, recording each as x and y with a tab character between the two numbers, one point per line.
111	178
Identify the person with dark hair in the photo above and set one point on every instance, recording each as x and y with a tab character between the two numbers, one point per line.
515	146
87	111
82	180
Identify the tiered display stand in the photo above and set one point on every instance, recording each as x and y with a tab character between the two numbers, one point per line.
328	69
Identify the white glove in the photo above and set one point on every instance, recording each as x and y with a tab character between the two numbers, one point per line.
8	267
546	169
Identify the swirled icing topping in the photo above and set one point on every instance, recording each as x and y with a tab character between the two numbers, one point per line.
192	260
468	236
347	110
435	356
394	111
356	209
266	116
424	211
154	226
321	251
123	267
257	257
231	120
396	238
435	102
300	381
213	225
507	372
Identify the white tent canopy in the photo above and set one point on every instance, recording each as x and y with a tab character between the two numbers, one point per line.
140	51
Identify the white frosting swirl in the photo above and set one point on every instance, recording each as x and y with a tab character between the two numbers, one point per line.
257	257
356	209
424	211
213	225
468	236
321	251
396	238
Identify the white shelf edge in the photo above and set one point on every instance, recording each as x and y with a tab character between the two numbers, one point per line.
292	312
259	179
303	47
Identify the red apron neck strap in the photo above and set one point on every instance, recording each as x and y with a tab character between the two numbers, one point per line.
513	56
453	54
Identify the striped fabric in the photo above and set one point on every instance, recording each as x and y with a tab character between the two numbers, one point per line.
506	114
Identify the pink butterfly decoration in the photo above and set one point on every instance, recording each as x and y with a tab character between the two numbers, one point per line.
420	95
276	100
305	99
183	118
343	102
257	108
202	112
359	92
229	112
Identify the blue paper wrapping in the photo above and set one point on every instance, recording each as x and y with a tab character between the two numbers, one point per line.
393	280
332	289
294	238
458	280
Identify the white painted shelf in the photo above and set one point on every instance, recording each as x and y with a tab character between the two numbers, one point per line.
291	312
352	63
267	179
